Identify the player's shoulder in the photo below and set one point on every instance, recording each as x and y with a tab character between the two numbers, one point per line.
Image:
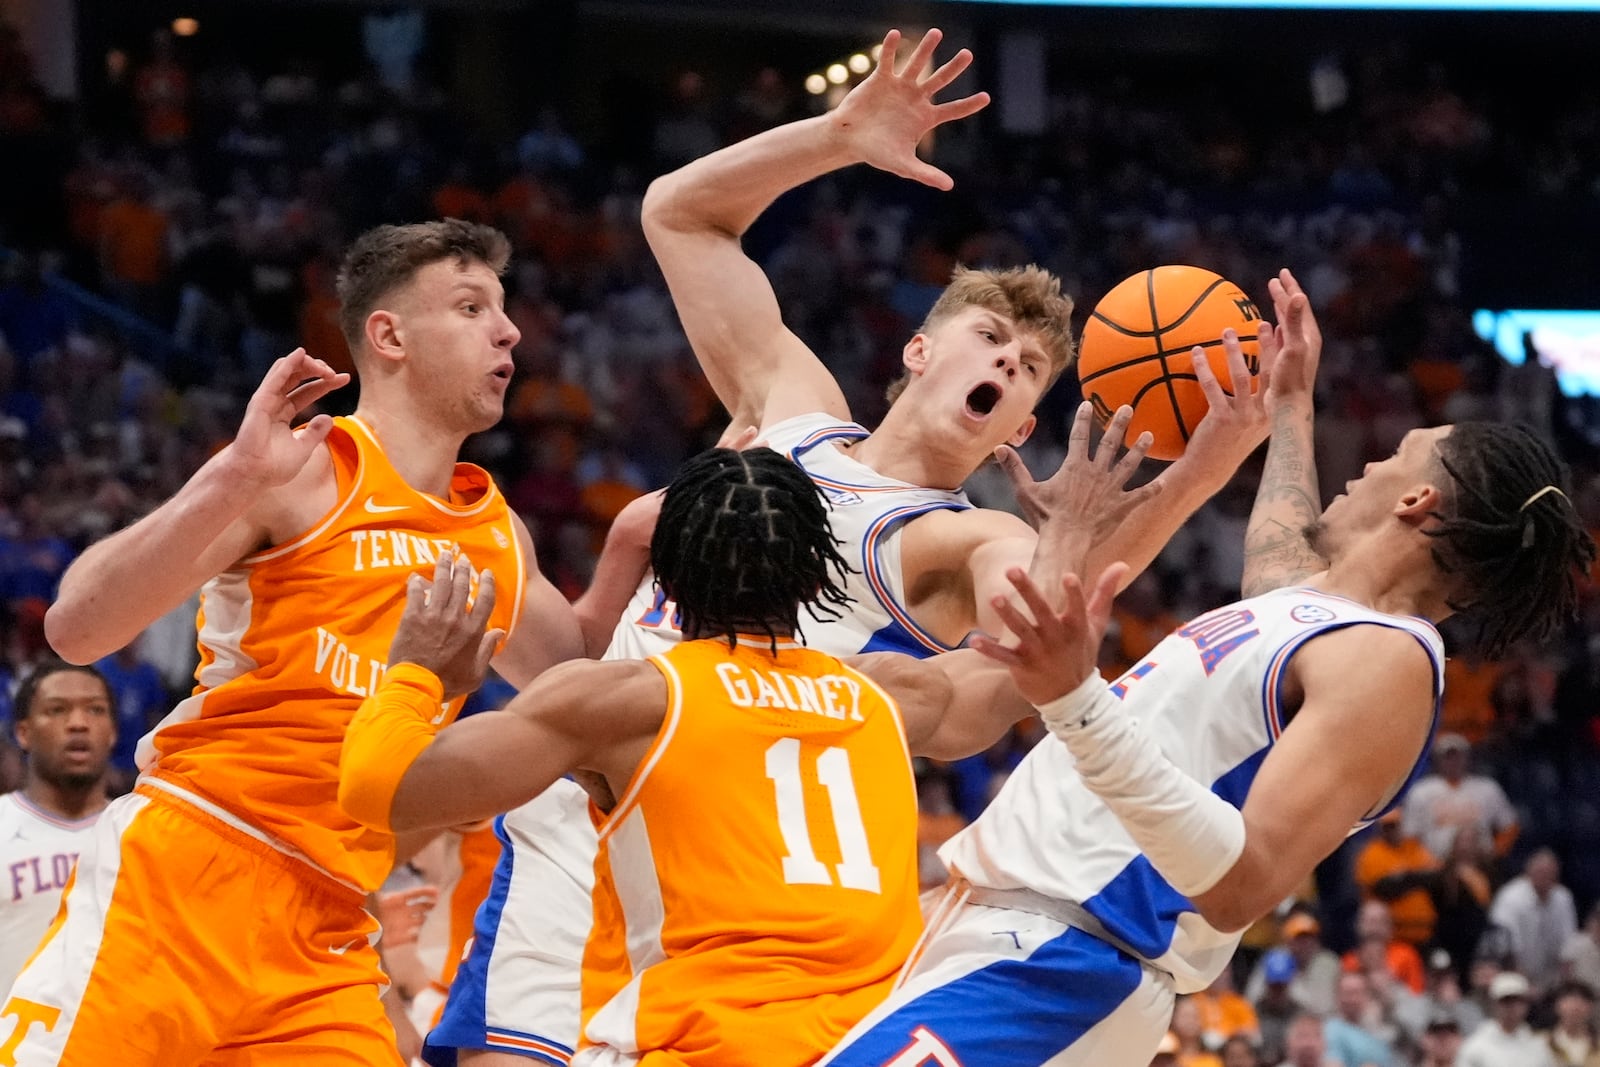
1359	656
945	539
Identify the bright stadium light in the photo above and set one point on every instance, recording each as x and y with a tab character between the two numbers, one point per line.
838	74
859	64
816	84
185	27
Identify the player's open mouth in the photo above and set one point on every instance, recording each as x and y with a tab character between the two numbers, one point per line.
981	401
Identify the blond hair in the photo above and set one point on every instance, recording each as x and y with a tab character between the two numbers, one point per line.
1030	297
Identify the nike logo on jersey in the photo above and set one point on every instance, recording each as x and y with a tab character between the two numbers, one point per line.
340	950
381	509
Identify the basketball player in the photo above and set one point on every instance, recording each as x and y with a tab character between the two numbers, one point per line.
756	876
1121	861
66	723
927	562
303	540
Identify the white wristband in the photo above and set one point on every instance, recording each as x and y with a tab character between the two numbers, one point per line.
1191	836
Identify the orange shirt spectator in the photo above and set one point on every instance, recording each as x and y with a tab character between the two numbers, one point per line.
133	240
1375	926
1393	868
1469	697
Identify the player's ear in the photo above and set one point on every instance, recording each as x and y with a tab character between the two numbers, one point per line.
383	335
20	731
1419	502
1024	431
915	354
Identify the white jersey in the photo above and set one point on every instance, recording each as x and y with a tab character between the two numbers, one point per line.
37	852
867	512
1209	695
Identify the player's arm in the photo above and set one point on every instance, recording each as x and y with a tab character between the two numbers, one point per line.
953	705
550	629
240	500
695	216
1366	704
399	771
1276	549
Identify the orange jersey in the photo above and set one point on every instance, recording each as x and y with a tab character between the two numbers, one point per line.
756	885
477	854
292	639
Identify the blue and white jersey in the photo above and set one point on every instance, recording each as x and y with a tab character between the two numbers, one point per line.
1210	696
867	512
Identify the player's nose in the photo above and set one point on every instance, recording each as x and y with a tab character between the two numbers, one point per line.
506	333
1009	360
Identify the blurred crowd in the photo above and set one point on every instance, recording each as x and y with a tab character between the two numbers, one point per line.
172	233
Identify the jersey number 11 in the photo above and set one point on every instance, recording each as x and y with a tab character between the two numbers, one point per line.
801	866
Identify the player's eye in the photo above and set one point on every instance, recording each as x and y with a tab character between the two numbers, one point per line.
471	309
988	335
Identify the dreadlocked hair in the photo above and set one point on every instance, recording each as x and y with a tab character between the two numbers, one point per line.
743	542
1516	548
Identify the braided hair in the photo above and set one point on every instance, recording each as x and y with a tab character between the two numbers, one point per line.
1512	539
743	542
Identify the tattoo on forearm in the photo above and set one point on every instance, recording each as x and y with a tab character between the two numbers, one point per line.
1276	552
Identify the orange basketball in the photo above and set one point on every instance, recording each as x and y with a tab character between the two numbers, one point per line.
1136	347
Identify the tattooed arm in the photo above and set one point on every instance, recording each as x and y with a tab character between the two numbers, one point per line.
1276	550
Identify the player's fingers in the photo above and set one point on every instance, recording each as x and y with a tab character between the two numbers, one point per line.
1239	383
1206	378
928	174
444	570
311	390
416	594
1022	628
1071	616
487	645
483	603
887	55
313	433
949	72
987	646
1128	465
1078	436
1105	591
1138	498
922	55
1116	435
460	587
1015	470
1033	597
960	109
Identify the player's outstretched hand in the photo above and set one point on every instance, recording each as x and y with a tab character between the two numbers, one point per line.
1051	657
1237	420
1290	351
885	117
444	633
1088	493
269	449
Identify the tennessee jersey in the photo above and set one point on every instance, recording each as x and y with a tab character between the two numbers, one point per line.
755	881
294	637
1210	696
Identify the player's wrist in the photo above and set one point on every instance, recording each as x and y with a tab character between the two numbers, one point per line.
1079	709
413	675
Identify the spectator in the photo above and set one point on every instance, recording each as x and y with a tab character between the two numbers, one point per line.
1442	998
1225	1014
1276	1007
1166	1052
1506	1040
1304	1045
1316	969
1401	959
1461	895
1396	869
1580	956
1349	1036
1440	1043
1451	800
1538	913
1187	1028
1240	1051
1574	1040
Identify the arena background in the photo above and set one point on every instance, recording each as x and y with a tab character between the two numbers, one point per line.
176	181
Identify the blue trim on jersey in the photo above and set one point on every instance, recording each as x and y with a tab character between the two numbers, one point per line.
464	1023
1235	785
1272	694
1140	907
851	430
896	638
1012	1011
873	571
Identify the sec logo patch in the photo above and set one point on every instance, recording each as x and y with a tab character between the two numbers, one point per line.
1311	613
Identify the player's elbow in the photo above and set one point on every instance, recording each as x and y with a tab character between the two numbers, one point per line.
662	210
68	631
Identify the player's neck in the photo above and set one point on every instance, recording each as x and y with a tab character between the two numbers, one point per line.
67	802
902	449
1386	580
422	453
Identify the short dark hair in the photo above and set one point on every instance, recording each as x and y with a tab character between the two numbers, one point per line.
387	257
1510	534
743	543
1573	987
22	703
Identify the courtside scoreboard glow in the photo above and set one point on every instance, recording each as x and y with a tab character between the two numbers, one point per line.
1568	342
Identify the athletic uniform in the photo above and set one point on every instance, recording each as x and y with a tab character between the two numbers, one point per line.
756	880
517	990
37	851
216	916
1058	943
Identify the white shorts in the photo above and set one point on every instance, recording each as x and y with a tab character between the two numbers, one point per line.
517	988
994	987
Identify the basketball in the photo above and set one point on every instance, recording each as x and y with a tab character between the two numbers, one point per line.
1136	347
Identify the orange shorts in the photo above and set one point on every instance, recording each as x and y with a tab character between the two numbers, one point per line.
182	939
